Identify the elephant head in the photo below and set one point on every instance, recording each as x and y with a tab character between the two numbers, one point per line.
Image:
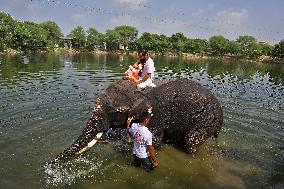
112	108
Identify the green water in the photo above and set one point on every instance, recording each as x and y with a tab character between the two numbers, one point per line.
45	100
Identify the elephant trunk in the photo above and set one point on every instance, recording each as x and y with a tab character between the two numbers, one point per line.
82	144
89	137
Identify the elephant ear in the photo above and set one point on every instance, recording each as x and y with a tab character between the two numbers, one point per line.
140	107
123	99
121	95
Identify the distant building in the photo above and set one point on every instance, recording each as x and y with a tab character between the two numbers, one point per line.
100	47
67	42
263	42
122	47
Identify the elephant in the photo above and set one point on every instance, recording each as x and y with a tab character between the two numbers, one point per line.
184	114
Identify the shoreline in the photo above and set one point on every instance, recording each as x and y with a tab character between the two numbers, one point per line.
261	59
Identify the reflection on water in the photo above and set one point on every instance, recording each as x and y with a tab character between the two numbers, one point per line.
46	100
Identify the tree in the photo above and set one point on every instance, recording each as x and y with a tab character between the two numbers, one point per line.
219	45
233	47
7	27
127	34
278	50
196	46
162	43
78	36
53	32
28	36
112	39
178	41
94	38
249	46
266	49
145	41
154	42
121	35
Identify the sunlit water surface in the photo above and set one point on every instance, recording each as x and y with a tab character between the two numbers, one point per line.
45	100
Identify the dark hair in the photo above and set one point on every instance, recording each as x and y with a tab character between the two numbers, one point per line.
142	60
140	51
144	52
144	116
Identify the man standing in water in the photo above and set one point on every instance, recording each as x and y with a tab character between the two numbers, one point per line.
143	150
147	71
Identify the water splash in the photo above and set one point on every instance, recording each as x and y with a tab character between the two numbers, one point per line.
69	172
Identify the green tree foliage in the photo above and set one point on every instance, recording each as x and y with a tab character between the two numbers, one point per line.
178	41
26	36
154	42
53	33
249	46
145	41
94	38
233	48
127	34
78	36
278	50
196	46
29	36
266	49
21	35
161	43
219	45
7	29
112	39
121	35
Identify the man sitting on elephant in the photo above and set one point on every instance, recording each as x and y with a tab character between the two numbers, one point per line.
147	71
143	150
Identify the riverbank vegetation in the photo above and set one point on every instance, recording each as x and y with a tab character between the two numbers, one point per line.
18	36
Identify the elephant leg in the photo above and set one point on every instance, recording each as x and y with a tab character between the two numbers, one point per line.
193	139
216	137
157	139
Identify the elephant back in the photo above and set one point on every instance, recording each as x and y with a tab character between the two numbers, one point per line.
182	105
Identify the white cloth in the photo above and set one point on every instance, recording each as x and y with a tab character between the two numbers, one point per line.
148	68
142	137
147	83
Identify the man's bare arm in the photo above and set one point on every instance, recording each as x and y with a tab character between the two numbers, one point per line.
153	155
144	78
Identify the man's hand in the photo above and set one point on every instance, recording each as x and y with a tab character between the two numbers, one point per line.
155	164
152	156
103	141
138	89
128	122
125	77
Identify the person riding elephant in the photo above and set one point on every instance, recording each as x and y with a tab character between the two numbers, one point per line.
148	71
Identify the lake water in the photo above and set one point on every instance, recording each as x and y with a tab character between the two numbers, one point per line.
46	99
